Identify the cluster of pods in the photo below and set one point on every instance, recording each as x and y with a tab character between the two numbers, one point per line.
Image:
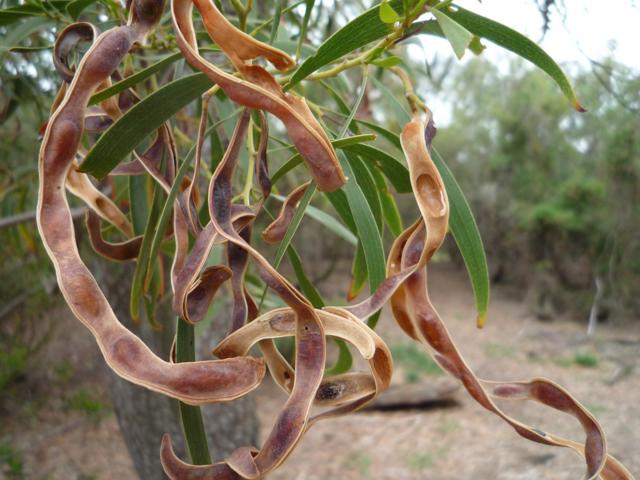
234	372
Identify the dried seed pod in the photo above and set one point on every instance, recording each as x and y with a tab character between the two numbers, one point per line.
127	355
122	251
258	89
419	318
275	231
238	46
79	184
68	39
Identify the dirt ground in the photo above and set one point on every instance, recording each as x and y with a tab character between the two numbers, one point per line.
67	430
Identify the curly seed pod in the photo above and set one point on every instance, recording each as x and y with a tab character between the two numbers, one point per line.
258	89
128	356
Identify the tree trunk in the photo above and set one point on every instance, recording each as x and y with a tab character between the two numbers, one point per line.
143	415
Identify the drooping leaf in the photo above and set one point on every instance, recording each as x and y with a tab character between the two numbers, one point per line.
295	223
190	415
140	121
366	226
467	236
305	24
517	43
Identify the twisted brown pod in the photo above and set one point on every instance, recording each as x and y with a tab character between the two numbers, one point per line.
128	356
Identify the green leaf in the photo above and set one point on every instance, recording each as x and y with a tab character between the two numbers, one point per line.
365	181
7	17
389	208
458	36
400	111
140	121
467	236
295	223
308	289
395	171
30	49
167	208
137	285
517	43
387	62
276	21
18	33
326	221
190	415
296	159
461	221
343	362
386	134
139	203
366	226
133	79
305	25
387	13
358	273
359	32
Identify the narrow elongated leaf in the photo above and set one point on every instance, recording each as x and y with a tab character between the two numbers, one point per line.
368	186
366	226
140	121
137	286
295	223
358	274
276	21
306	285
395	171
517	43
296	159
18	33
344	361
305	24
467	236
461	222
139	203
389	208
359	32
134	79
458	36
190	415
326	221
7	17
386	134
